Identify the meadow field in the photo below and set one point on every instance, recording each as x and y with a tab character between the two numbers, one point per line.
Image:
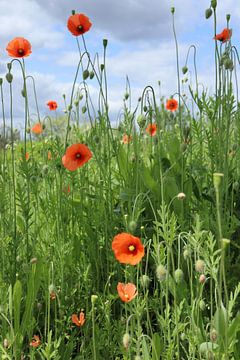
120	238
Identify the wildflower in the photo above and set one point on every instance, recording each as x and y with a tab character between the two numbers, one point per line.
19	48
224	36
79	321
33	260
171	105
49	155
127	292
66	189
78	24
76	156
5	343
53	295
37	128
52	105
127	249
35	341
213	335
126	139
151	129
145	281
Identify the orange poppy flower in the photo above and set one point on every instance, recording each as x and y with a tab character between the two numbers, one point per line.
76	156
151	129
26	156
79	321
37	129
19	48
35	341
126	139
224	36
49	155
52	105
127	292
127	249
78	24
171	104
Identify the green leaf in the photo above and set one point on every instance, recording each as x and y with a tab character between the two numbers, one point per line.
17	297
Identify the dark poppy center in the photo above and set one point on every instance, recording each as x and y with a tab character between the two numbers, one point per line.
80	27
20	51
78	156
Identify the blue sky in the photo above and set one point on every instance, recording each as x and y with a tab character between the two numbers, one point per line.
140	44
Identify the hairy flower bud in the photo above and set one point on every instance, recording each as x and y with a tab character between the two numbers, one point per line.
208	13
85	74
9	77
161	272
145	281
200	266
178	275
184	70
202	279
126	341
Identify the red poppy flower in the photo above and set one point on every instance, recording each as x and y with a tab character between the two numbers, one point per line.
151	129
126	139
66	189
127	292
79	321
19	48
35	341
224	36
78	24
171	104
76	156
127	249
26	156
52	105
37	129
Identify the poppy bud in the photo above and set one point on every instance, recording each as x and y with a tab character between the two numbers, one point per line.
126	96
236	186
178	275
200	266
228	64
202	305
5	343
39	306
102	67
76	103
228	17
69	107
208	13
213	335
23	92
73	12
217	178
214	4
84	109
141	120
202	279
85	74
80	97
33	260
64	96
225	243
181	196
186	253
145	108
1	81
161	272
28	130
132	226
145	281
9	77
184	70
183	336
172	10
105	42
91	75
9	66
126	341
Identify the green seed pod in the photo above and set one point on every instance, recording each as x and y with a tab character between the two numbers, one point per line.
9	77
228	17
84	109
178	275
23	92
73	12
145	108
126	96
184	70
102	67
208	13
85	74
80	97
1	81
172	10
